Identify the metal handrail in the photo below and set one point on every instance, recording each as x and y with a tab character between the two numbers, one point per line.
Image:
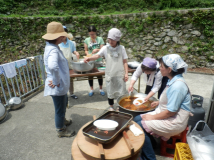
28	79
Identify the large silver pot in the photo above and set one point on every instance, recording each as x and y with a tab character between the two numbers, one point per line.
82	67
3	113
138	95
15	103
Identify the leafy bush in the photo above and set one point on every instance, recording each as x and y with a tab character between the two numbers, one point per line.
6	6
185	3
58	3
98	6
100	10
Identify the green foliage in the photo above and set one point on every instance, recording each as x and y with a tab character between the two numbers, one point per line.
19	30
163	4
101	10
58	3
5	6
85	7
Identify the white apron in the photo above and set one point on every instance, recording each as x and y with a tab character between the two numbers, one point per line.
114	74
170	126
69	55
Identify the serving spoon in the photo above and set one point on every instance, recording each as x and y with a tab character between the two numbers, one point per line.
88	63
128	99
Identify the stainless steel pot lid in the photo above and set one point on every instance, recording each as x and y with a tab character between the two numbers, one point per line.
15	100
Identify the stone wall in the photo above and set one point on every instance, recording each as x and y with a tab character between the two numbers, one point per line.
159	39
151	34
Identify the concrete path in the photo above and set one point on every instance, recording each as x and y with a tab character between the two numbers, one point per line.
29	133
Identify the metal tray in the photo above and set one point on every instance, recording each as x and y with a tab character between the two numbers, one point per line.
106	137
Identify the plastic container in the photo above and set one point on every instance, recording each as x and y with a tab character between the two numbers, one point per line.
197	110
183	152
201	142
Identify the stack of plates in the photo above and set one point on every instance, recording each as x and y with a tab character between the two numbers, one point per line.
106	124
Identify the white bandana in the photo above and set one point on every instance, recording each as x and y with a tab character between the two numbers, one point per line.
175	62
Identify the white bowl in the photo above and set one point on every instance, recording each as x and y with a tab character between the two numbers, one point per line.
106	124
137	103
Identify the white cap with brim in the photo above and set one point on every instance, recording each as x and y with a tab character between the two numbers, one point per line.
54	31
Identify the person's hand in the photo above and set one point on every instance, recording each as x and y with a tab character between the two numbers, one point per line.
95	51
126	77
154	104
86	59
130	89
146	99
147	117
52	85
78	55
88	55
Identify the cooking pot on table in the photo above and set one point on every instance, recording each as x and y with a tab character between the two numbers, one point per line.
135	112
81	66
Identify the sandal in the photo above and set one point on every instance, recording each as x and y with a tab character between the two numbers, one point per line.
117	109
91	94
74	96
111	109
102	93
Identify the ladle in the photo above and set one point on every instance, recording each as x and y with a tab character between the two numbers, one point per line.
88	63
128	99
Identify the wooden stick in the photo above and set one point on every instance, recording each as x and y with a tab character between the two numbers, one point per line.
102	154
128	142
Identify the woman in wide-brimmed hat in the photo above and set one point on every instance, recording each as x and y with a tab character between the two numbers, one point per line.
57	81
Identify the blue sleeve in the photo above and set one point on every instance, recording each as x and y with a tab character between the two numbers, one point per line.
176	94
73	48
